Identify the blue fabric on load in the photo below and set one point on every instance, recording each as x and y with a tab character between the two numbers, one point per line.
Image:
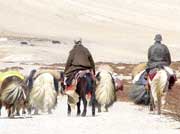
142	79
138	93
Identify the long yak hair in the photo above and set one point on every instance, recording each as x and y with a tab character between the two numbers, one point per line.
13	93
105	90
43	94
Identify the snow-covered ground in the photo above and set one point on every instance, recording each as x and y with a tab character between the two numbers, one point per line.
122	117
113	30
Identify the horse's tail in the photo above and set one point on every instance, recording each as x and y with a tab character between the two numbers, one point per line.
43	94
159	84
13	93
158	88
105	91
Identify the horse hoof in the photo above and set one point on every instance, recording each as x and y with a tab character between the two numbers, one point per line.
83	114
78	113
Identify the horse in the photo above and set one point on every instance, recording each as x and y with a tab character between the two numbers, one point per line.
84	85
44	89
105	90
13	95
158	83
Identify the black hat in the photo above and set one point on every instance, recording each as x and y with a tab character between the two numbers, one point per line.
78	41
158	37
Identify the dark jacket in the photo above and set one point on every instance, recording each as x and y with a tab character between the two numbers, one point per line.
158	55
79	59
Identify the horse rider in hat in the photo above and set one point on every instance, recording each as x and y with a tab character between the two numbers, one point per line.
79	59
159	57
158	54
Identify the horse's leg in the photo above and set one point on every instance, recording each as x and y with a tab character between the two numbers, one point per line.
93	99
159	105
69	110
163	99
152	106
85	106
78	107
93	107
82	88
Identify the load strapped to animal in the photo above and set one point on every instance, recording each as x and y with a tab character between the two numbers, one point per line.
139	92
10	73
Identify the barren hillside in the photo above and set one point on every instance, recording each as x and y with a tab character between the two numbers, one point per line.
126	25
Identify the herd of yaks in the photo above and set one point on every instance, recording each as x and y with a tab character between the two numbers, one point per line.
40	89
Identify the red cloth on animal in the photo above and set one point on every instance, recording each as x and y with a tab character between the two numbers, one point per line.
118	84
71	87
152	73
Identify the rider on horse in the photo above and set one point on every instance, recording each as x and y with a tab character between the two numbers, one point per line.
159	57
158	54
79	59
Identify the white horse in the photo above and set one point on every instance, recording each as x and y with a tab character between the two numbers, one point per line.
158	87
43	95
105	90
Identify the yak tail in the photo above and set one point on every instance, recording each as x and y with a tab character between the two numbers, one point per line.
12	93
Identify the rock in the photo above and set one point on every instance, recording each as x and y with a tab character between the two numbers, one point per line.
56	42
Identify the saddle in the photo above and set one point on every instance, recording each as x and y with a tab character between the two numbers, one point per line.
152	73
71	85
171	75
72	80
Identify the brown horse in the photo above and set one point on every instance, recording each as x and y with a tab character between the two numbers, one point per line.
13	95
